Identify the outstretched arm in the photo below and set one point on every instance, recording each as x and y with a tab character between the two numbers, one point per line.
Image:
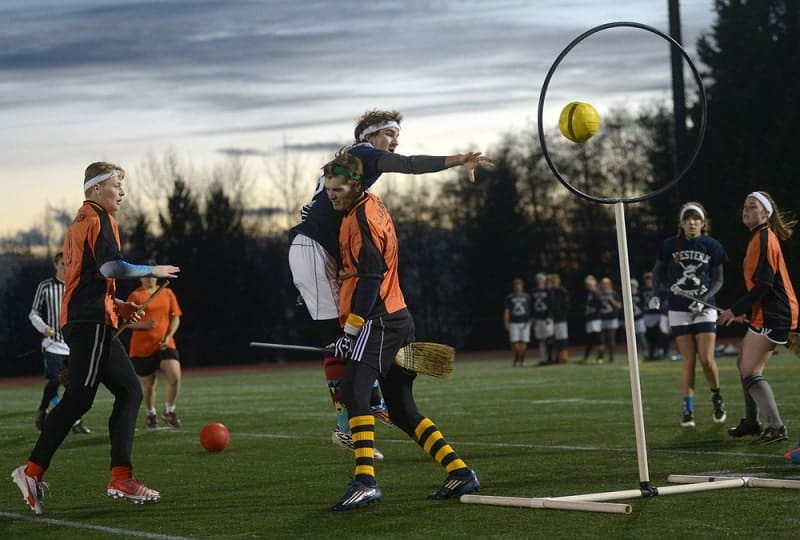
421	164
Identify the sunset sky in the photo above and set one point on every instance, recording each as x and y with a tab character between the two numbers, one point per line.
86	80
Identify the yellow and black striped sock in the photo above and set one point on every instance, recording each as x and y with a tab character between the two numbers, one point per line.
362	429
432	441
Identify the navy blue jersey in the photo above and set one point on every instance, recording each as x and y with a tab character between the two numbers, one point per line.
542	303
519	307
319	221
592	306
607	310
688	264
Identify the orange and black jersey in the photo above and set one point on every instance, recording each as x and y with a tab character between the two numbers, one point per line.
770	301
368	244
91	240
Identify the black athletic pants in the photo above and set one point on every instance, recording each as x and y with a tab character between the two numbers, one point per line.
94	358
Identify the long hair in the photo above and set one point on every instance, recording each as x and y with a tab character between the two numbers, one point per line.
781	223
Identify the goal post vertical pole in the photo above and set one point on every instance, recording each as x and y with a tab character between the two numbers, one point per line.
633	357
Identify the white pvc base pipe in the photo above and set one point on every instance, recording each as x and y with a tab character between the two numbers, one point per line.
749	481
548	503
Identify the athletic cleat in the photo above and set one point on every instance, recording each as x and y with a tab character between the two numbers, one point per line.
720	415
133	490
745	428
41	414
456	485
688	419
32	489
344	440
80	428
152	421
172	419
772	435
382	414
358	495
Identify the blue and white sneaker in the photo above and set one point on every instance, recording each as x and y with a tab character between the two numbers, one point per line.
457	484
358	495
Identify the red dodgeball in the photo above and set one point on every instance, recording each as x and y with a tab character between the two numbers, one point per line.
215	437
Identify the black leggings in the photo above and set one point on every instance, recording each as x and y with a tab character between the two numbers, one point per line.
397	387
94	358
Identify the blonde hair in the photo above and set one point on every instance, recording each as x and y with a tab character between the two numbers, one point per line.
101	167
345	165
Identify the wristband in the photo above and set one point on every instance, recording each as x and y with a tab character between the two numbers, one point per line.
354	324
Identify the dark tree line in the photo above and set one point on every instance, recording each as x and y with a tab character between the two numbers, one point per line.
462	243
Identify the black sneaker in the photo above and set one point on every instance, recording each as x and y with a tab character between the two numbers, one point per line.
720	415
688	419
745	428
772	435
172	419
358	495
456	485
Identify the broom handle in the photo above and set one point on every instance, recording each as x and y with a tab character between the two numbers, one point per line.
141	308
290	347
701	302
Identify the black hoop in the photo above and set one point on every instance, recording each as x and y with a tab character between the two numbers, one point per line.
701	130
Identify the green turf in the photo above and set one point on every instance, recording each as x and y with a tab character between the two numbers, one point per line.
528	432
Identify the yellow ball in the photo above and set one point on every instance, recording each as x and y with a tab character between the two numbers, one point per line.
578	121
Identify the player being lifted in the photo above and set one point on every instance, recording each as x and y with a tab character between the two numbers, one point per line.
314	252
377	324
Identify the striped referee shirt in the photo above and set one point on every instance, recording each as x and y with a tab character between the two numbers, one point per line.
45	313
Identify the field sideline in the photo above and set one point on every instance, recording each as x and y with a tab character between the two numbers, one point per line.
528	432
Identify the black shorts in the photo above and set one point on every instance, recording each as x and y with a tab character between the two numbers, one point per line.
381	339
779	336
148	365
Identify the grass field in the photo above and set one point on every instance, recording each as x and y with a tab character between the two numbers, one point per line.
528	432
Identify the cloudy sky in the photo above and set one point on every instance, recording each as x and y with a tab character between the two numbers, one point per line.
88	80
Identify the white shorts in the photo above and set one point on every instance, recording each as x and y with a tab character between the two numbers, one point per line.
314	275
685	318
595	326
610	324
639	327
663	325
652	319
560	331
543	328
519	331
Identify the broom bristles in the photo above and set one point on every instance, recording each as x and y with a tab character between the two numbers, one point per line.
793	343
432	359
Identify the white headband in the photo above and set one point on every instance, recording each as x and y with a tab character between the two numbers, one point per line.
369	130
695	208
91	182
764	202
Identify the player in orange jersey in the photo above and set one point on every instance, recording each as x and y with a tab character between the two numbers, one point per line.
376	324
153	347
90	314
770	309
